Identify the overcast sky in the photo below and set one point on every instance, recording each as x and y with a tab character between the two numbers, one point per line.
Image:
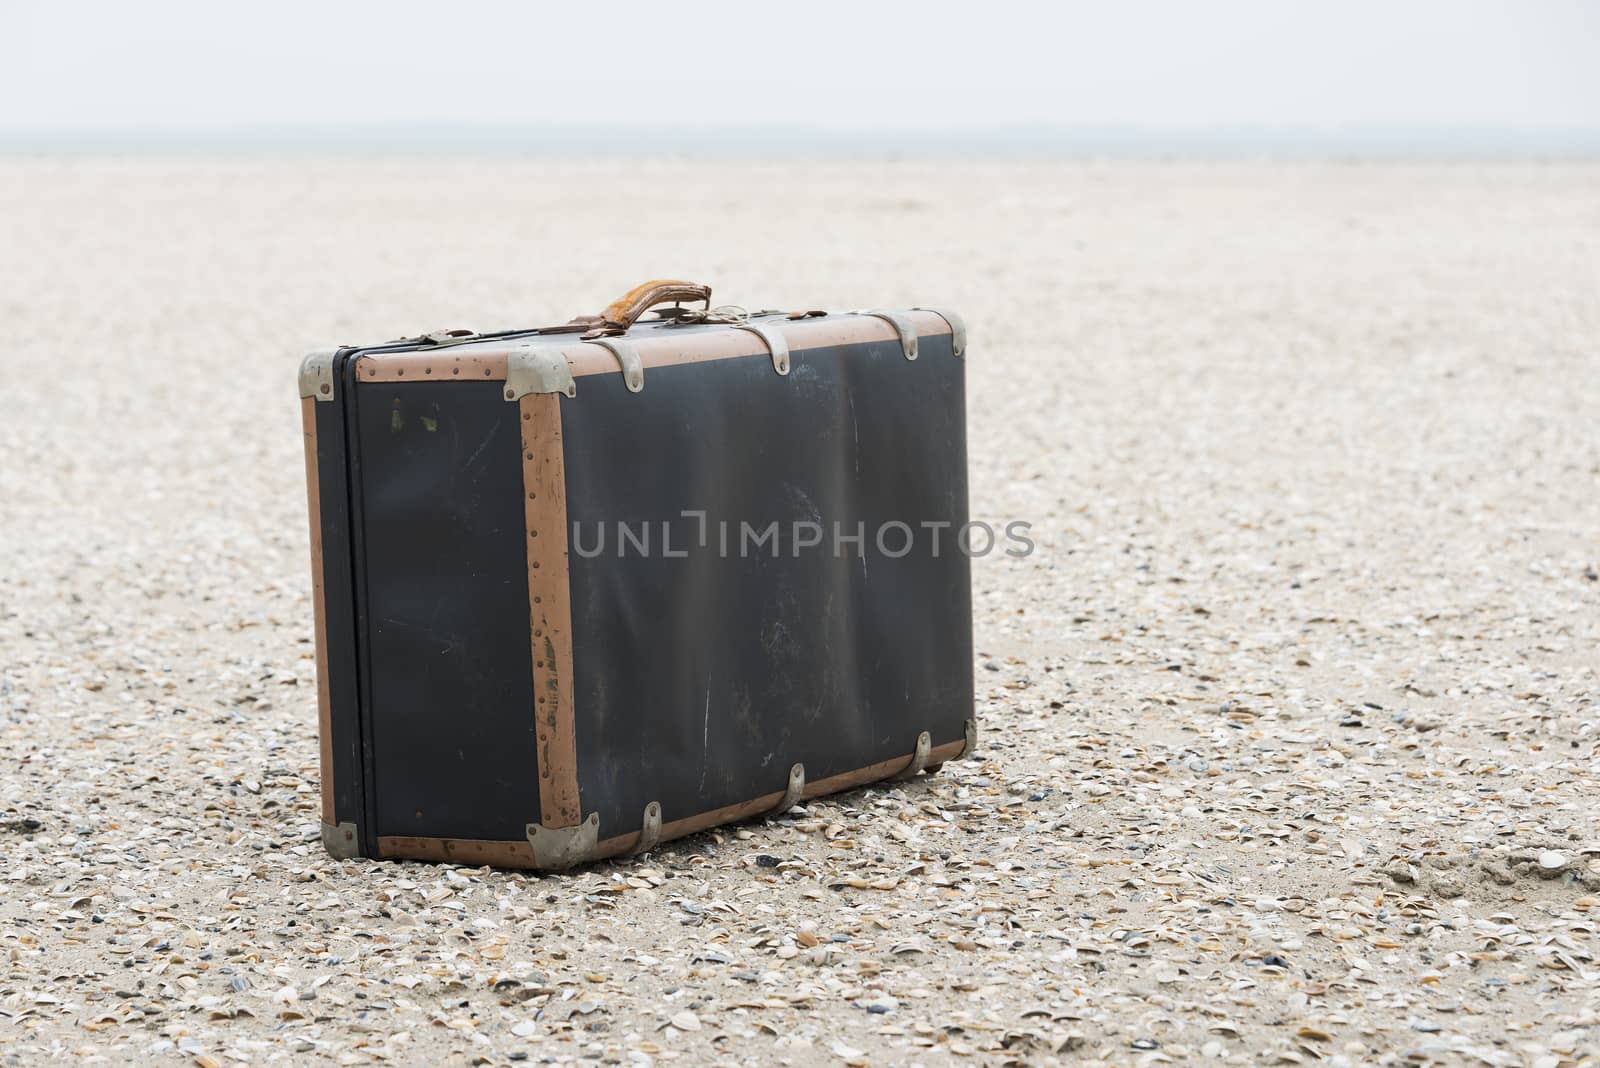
184	65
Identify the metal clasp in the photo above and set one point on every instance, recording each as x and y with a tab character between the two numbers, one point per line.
627	356
904	328
776	343
919	758
791	796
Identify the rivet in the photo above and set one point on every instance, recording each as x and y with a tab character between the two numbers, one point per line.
326	388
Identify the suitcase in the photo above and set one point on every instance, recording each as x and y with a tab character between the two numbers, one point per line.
583	589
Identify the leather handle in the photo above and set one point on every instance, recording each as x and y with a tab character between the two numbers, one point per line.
626	309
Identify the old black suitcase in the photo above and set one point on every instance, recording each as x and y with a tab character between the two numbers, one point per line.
586	588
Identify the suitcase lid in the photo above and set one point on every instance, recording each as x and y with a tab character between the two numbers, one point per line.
621	339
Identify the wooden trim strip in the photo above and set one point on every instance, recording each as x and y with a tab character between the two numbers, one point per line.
549	608
703	821
886	769
308	422
473	851
430	365
520	854
656	348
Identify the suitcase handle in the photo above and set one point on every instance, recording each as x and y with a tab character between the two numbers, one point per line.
626	309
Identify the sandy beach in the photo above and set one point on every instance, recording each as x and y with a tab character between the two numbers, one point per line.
1289	729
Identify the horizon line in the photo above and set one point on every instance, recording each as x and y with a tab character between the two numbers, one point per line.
825	140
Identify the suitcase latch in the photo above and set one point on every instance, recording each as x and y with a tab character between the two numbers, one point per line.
439	338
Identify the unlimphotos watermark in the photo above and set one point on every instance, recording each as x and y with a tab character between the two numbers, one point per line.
893	539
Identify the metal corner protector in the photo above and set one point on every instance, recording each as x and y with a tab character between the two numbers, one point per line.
316	375
555	848
958	329
342	842
538	369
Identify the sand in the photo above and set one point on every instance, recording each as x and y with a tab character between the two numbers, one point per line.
1289	728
